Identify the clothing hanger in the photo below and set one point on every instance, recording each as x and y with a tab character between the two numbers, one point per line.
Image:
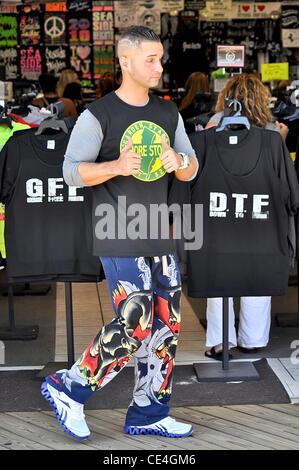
293	116
236	118
56	121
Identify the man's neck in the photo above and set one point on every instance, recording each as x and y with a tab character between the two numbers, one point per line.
135	97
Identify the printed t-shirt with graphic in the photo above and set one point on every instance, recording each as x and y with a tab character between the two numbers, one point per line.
117	230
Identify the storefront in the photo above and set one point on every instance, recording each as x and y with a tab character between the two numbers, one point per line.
49	37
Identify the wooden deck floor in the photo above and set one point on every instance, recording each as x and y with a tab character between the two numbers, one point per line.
249	427
267	427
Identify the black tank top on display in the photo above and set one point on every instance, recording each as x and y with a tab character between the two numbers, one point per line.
47	227
245	249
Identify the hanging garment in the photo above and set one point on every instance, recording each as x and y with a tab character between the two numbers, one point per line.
20	120
249	191
5	133
48	224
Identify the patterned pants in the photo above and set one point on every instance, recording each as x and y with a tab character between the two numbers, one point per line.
145	294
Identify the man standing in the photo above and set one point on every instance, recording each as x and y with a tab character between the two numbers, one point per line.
125	146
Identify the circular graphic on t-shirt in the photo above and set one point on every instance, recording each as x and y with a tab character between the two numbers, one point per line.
146	137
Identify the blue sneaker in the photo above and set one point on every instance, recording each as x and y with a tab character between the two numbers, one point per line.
69	413
167	427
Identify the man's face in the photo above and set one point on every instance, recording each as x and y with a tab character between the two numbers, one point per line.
144	63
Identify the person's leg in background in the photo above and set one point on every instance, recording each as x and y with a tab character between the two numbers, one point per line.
154	361
254	322
214	327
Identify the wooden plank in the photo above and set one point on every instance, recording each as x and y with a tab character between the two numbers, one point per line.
233	432
187	443
102	437
57	439
261	426
290	409
114	420
204	435
190	345
270	415
120	438
11	441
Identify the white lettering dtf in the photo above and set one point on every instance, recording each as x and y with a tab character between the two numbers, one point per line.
218	204
239	207
260	201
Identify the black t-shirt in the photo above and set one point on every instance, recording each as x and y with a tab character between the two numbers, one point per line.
188	53
47	226
249	191
125	208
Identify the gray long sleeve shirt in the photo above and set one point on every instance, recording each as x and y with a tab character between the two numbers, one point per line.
86	140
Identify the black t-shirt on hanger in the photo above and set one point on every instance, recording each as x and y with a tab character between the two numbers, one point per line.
249	191
47	227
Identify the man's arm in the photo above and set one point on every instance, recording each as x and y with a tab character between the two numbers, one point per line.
128	163
80	167
171	159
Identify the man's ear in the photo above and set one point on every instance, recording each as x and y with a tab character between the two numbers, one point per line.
123	60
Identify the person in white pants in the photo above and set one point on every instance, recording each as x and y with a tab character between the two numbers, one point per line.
254	325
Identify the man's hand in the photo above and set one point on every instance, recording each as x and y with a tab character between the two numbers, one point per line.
170	160
128	162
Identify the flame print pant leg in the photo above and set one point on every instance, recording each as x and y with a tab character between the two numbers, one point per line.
130	286
154	360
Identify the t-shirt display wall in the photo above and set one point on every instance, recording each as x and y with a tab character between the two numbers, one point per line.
49	37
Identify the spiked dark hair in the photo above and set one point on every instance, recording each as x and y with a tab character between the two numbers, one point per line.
135	35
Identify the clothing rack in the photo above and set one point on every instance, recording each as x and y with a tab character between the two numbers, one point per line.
12	332
225	371
69	324
27	289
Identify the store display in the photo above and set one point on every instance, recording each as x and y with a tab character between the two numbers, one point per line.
56	59
260	26
290	24
30	25
103	60
79	28
248	222
54	219
103	23
8	31
81	60
54	28
9	58
30	62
